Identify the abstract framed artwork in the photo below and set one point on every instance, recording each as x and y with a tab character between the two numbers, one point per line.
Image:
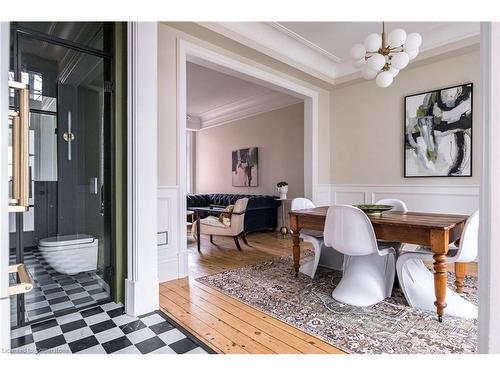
245	164
438	133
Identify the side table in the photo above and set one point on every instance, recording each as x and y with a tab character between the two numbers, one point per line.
284	229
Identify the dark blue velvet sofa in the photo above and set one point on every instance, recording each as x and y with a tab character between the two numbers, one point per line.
261	213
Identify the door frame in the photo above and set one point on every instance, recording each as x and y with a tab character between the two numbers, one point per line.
189	51
142	285
4	187
489	205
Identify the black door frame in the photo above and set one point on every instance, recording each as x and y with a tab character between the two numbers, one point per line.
108	202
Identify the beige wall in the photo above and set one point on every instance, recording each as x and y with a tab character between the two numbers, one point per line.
168	35
367	123
360	135
279	136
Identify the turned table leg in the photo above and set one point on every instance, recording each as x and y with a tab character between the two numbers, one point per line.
460	269
294	226
439	245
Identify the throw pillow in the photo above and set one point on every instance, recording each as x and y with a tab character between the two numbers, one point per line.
226	214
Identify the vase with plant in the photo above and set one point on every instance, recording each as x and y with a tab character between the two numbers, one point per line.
282	189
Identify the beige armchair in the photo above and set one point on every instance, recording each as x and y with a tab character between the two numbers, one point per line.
233	227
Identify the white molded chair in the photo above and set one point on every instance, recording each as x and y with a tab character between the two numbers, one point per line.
232	228
333	260
368	270
397	205
417	281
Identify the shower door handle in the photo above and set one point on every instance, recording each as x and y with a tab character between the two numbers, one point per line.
19	200
69	136
25	285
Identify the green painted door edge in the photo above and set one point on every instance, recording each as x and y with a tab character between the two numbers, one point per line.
120	162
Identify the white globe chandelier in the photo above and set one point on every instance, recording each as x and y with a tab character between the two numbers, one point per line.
382	58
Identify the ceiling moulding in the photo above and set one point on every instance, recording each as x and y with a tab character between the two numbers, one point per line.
278	26
425	57
285	45
193	122
267	39
244	108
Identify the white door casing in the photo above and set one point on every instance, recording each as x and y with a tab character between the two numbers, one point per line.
188	51
141	284
489	256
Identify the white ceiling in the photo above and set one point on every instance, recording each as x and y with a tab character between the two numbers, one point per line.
338	37
214	97
322	48
208	89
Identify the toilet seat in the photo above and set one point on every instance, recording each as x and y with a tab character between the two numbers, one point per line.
66	240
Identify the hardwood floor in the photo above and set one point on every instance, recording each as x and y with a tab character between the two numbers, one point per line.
222	322
225	324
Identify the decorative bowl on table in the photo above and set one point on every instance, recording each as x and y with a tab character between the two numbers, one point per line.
374	209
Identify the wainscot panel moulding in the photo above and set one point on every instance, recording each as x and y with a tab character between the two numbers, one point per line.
455	199
168	252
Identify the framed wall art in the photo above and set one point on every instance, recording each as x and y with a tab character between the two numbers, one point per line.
438	133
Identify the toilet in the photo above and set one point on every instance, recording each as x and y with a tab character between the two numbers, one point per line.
70	254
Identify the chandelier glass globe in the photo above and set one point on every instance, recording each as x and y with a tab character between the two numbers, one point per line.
384	79
396	38
373	42
368	73
376	62
400	60
358	52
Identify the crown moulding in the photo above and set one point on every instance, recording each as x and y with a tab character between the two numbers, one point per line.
239	110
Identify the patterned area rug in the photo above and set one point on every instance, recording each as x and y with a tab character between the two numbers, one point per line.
390	326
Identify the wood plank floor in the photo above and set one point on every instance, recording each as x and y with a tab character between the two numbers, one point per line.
225	324
222	322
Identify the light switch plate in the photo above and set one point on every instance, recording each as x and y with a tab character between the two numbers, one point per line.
162	238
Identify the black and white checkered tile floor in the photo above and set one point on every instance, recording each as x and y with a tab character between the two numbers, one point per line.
54	292
105	329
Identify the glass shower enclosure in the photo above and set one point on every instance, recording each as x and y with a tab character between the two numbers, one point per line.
64	238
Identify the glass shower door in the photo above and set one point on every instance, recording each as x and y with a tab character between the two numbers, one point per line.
66	233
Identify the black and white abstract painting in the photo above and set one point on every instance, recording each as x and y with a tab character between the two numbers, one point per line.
438	133
245	167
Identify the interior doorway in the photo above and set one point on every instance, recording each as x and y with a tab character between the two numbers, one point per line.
64	238
192	53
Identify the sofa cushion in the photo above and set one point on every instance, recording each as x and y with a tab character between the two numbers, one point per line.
198	200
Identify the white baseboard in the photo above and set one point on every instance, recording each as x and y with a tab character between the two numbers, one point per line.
141	297
459	199
183	264
168	268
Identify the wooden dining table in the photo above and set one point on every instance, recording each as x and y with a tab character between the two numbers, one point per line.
436	231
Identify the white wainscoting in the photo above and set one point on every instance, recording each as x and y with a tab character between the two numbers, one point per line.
324	194
168	233
459	199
